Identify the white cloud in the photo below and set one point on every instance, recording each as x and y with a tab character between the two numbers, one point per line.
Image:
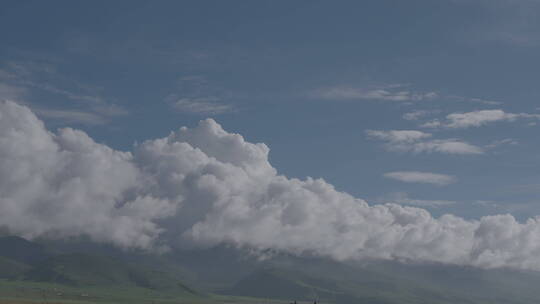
477	119
65	184
214	187
381	93
421	177
418	142
207	106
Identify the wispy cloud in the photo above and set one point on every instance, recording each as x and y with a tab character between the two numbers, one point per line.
417	114
512	22
418	142
198	96
71	116
473	100
207	106
421	177
19	81
11	92
477	119
398	136
392	92
375	93
109	109
501	142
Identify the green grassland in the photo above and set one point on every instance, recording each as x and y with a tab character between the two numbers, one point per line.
15	292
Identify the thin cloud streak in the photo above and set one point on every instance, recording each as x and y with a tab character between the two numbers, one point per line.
383	93
205	106
419	142
477	119
421	177
403	198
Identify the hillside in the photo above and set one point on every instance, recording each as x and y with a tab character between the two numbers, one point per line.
23	260
10	269
83	265
388	282
92	270
21	250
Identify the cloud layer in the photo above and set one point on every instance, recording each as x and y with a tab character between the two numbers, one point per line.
209	186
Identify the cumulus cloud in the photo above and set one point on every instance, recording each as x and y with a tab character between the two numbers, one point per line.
477	119
418	142
381	93
421	177
66	184
210	187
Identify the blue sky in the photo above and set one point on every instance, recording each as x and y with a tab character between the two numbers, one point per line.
322	83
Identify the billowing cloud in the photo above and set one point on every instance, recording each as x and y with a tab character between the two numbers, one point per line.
66	184
421	177
418	142
210	187
477	119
